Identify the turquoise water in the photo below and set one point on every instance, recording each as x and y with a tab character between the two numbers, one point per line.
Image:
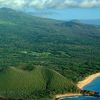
93	86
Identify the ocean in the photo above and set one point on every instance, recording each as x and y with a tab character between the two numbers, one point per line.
93	86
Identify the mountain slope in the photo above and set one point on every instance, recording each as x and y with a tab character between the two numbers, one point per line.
26	39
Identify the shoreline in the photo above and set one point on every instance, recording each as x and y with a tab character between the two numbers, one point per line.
59	96
66	95
80	85
87	80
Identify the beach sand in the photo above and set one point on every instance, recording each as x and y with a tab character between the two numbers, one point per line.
87	80
58	96
67	94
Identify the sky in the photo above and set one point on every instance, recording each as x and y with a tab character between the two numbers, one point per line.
57	9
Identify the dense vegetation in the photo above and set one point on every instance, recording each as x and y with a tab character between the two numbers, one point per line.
69	48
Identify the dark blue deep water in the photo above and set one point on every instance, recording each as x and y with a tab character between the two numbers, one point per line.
93	86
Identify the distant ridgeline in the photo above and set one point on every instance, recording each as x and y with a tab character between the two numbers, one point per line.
49	56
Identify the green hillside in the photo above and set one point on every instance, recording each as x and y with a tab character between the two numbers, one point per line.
68	48
17	83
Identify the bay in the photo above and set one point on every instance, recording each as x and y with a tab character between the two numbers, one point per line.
93	86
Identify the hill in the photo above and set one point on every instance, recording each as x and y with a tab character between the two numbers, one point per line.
40	82
92	21
69	48
88	21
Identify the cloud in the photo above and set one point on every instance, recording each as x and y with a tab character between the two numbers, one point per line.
16	4
90	3
40	4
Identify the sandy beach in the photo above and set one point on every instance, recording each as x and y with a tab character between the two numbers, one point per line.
87	80
65	95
